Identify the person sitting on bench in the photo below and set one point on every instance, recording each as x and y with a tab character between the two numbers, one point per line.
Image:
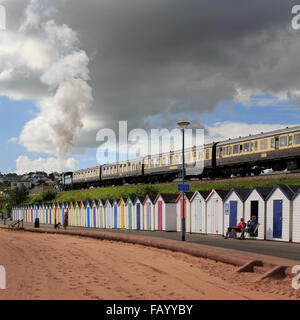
240	227
251	225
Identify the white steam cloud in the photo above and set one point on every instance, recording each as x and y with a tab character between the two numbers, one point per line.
66	76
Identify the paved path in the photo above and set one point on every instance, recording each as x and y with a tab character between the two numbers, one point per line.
271	248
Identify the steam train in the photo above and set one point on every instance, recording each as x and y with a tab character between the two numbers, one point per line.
277	150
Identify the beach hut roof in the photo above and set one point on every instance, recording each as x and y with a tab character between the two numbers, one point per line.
241	193
221	193
287	190
130	198
262	191
147	196
187	195
137	198
203	193
167	197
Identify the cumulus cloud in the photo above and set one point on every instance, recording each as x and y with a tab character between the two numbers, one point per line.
24	165
224	130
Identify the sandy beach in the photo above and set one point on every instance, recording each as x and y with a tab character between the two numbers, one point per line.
45	266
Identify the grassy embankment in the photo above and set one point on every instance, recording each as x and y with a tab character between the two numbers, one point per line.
141	190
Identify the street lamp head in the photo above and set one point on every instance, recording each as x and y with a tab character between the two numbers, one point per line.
183	124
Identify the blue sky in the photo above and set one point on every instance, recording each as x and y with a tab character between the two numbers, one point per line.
15	114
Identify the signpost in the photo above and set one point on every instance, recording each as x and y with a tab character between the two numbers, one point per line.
184	187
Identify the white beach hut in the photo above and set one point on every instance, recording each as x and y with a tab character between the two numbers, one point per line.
296	216
255	205
234	207
214	211
198	211
137	219
148	213
279	213
129	212
165	212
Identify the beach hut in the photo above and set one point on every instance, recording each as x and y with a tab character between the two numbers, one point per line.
137	221
165	212
296	216
129	213
101	215
94	219
115	222
63	209
234	207
214	211
88	214
82	214
198	211
77	217
108	212
121	214
71	214
255	205
148	213
279	211
187	211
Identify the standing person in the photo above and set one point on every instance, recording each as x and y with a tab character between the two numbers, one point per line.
66	219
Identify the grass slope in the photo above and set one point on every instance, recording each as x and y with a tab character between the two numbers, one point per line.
142	190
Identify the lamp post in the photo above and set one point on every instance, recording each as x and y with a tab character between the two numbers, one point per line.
183	125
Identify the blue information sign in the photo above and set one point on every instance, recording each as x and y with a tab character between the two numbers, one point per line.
184	187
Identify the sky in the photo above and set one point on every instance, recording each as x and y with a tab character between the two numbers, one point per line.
70	68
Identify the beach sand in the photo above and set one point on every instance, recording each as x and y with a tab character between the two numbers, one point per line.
45	266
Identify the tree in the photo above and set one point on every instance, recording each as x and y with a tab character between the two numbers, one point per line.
16	197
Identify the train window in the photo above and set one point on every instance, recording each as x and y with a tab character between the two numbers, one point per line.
176	159
194	154
273	143
264	144
241	148
255	145
207	154
283	141
230	150
251	146
246	147
290	140
188	157
297	138
236	149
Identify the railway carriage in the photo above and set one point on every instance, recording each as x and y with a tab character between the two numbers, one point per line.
250	155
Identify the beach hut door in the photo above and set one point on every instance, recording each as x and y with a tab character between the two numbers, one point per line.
159	215
115	216
129	216
233	215
277	219
198	216
254	209
138	216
